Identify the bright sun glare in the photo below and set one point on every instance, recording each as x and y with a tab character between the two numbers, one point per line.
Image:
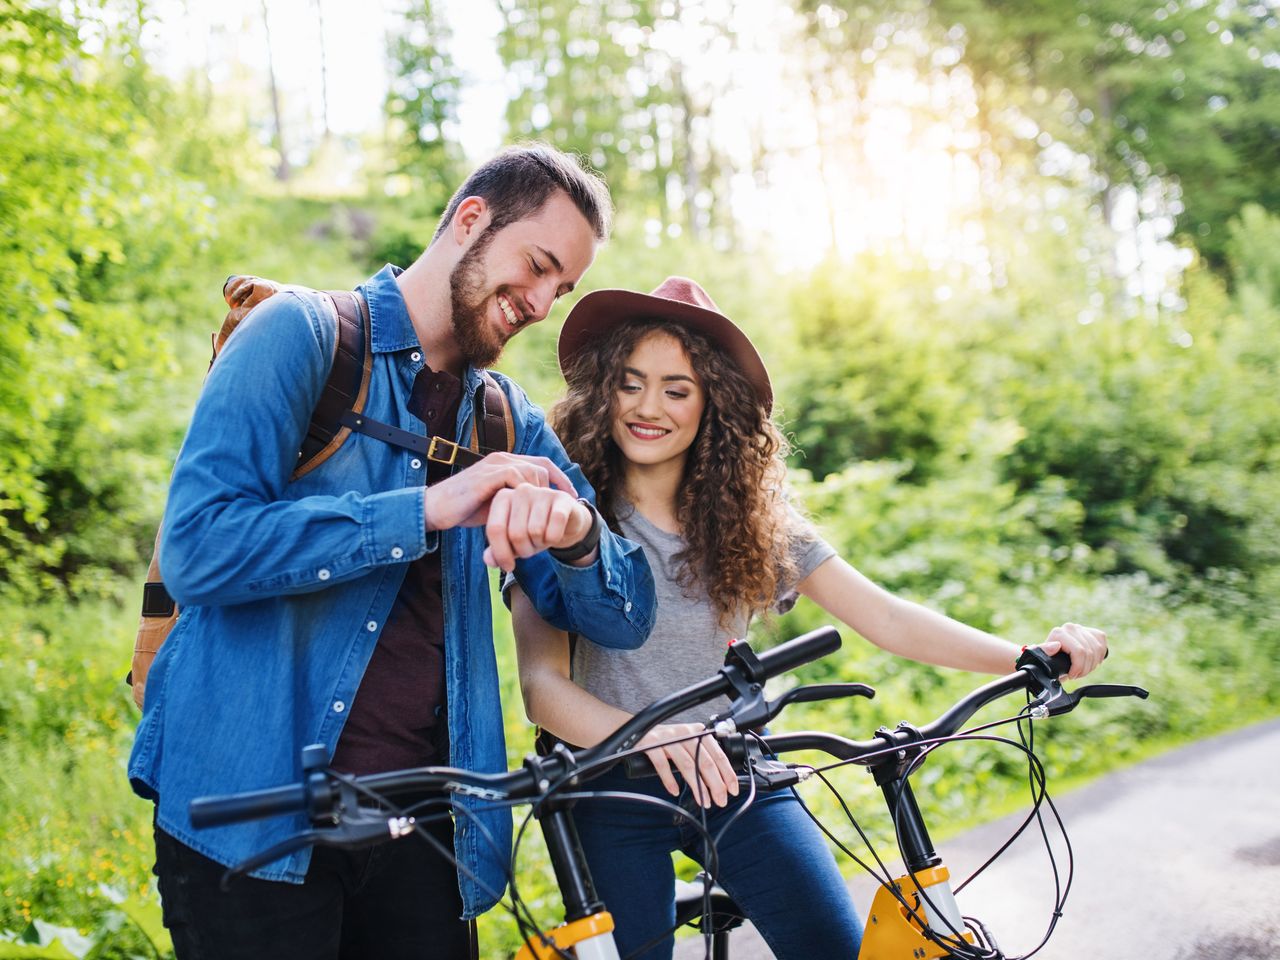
891	167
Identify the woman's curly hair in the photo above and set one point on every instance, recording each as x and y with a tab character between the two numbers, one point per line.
731	505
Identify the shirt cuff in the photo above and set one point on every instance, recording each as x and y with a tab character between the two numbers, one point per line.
395	527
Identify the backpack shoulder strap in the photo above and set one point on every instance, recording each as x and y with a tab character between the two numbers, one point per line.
348	385
494	426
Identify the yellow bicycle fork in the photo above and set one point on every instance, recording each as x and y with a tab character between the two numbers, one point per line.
893	935
590	938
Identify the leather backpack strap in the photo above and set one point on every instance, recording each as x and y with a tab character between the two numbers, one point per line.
348	385
494	428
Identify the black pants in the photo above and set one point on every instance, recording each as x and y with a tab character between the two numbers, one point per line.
396	901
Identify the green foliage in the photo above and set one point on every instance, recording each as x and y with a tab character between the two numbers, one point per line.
94	233
423	102
66	725
1179	90
869	374
607	81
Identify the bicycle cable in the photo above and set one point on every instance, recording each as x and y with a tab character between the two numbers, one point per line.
525	924
984	947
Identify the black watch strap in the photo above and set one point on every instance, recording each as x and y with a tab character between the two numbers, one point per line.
586	544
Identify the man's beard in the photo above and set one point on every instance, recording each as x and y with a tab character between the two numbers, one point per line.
471	332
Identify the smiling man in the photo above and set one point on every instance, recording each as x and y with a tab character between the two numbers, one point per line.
349	605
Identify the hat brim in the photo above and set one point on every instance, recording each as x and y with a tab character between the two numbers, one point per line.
601	312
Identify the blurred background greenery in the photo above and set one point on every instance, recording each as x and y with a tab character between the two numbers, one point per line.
1015	268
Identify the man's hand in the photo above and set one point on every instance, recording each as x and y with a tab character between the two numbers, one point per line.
1085	645
699	759
526	504
527	519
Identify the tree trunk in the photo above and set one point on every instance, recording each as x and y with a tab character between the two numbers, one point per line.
324	69
277	140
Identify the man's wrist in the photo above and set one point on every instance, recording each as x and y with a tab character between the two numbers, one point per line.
588	542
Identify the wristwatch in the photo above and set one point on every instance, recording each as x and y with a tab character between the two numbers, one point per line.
586	544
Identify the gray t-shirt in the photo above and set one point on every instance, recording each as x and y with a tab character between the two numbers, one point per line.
687	643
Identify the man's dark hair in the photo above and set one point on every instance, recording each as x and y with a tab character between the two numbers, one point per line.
519	180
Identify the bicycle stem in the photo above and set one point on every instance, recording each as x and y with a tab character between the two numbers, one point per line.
918	852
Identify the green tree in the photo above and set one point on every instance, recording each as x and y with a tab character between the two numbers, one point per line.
423	105
611	82
1187	91
92	237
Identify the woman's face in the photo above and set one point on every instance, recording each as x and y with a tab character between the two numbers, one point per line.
659	404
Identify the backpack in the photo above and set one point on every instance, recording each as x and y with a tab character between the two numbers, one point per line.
338	413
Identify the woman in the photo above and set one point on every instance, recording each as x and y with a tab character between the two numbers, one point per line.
668	414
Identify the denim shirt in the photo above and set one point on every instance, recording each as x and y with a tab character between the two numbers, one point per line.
285	585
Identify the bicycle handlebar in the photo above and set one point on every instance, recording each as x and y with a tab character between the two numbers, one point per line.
742	667
215	811
1035	669
319	795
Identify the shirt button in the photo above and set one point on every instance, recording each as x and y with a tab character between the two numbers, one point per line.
371	626
396	553
627	606
338	706
415	463
323	573
415	356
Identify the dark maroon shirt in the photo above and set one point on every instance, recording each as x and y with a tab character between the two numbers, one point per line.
398	717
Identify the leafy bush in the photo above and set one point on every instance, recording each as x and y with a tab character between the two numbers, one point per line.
95	235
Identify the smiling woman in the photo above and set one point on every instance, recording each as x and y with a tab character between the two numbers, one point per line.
668	414
659	405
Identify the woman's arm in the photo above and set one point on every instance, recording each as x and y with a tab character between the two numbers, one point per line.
554	702
918	633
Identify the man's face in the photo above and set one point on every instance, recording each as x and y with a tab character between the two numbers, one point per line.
509	279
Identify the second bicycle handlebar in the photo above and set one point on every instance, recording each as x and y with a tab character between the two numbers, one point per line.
318	794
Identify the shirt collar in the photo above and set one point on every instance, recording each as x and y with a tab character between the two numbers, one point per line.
388	315
391	328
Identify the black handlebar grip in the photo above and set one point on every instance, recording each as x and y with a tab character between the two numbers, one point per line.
1058	665
1061	663
217	811
801	650
638	766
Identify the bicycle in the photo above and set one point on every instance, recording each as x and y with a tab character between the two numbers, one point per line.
914	916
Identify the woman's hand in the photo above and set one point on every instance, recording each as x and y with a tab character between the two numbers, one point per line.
699	759
1085	645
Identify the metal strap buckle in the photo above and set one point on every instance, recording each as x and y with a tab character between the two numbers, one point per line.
436	458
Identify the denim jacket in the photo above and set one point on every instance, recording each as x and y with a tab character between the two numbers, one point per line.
285	585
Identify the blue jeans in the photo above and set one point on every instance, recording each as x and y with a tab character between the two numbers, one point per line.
773	861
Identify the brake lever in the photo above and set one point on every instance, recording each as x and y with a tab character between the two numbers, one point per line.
353	833
1056	701
1100	690
750	709
821	691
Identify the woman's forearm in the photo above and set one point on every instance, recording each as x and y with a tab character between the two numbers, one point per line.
902	627
551	699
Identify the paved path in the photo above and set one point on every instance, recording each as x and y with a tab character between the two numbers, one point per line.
1177	858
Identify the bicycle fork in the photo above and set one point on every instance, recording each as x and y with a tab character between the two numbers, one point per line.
893	932
587	932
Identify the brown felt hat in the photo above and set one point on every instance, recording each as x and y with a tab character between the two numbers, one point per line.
677	299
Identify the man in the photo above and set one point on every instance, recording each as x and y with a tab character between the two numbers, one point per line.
350	606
